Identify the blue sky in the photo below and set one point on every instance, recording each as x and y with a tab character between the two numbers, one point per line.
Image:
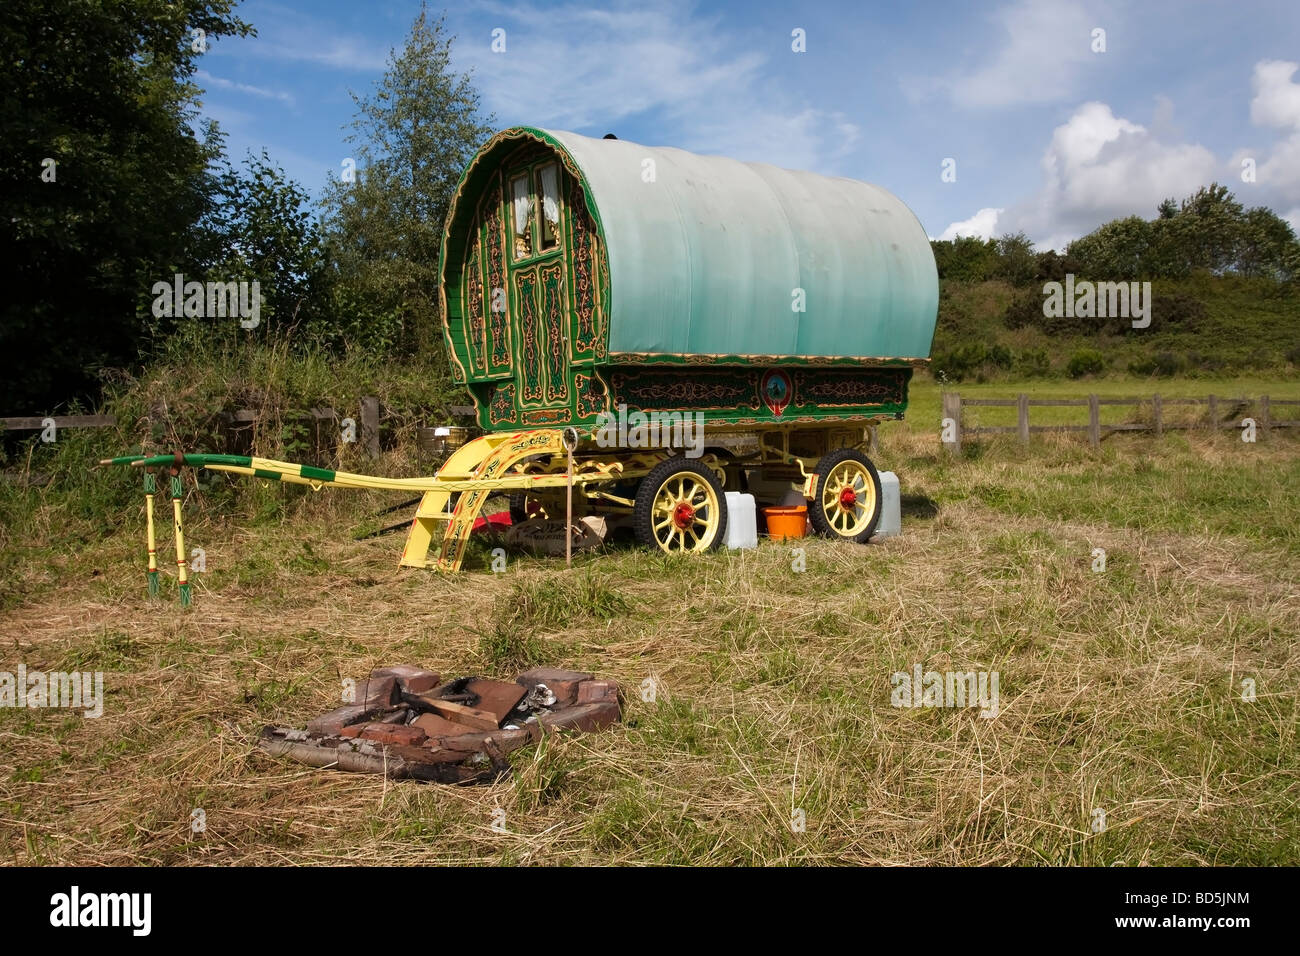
1048	136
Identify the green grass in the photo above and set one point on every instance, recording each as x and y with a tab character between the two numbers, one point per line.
1120	690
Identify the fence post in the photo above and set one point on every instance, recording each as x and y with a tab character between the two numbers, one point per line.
1022	410
370	425
1157	411
1214	412
952	410
1264	413
1094	421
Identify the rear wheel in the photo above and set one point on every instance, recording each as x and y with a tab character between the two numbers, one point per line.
846	505
680	506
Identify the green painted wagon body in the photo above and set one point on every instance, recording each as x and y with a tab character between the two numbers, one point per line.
580	275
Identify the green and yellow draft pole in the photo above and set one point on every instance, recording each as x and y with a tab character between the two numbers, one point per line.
239	465
150	488
178	493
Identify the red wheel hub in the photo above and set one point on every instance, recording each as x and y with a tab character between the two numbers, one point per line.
683	515
848	499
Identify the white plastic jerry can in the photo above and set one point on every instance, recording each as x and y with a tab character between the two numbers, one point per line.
742	521
891	511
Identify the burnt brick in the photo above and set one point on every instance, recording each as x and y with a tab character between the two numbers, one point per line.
336	720
387	733
583	717
591	691
377	693
411	680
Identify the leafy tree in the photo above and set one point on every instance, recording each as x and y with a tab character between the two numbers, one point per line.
103	92
965	259
260	226
1267	245
1051	266
1213	219
414	136
1016	261
1117	250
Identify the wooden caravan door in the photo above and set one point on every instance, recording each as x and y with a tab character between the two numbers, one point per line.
539	313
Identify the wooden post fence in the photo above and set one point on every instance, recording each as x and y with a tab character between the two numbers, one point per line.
951	423
955	431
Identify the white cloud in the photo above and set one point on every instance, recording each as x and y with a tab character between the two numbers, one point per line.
1099	167
1277	99
222	83
710	94
981	225
1277	103
1047	43
290	35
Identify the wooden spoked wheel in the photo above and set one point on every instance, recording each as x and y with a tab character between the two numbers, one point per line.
680	506
847	503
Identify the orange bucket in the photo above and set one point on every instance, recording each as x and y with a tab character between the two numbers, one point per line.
786	521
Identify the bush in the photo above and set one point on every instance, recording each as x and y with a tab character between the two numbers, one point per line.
1205	363
1025	310
1034	363
1293	356
1163	364
972	359
1086	362
1177	311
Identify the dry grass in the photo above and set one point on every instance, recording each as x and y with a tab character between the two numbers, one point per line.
1119	691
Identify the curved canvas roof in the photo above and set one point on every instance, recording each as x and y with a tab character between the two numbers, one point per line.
705	254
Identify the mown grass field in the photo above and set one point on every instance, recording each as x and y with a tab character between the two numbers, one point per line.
1120	691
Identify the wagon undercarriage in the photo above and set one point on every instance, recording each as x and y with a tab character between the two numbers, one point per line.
672	501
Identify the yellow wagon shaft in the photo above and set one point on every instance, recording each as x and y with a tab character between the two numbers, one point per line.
453	497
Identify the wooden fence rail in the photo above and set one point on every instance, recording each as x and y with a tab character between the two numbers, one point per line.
1221	412
367	420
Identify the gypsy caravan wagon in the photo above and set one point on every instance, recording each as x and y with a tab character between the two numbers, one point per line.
595	288
586	280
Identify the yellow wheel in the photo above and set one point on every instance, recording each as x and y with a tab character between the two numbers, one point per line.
680	506
847	502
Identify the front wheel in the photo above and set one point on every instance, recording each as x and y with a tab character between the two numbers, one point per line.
846	505
680	506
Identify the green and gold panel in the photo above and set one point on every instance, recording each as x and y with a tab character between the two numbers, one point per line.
694	390
499	360
475	309
844	388
744	395
589	334
529	371
501	403
554	317
546	416
592	397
